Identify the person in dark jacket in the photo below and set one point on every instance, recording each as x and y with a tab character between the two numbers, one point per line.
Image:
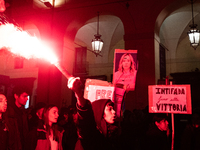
17	118
3	124
68	123
190	139
95	122
157	136
36	116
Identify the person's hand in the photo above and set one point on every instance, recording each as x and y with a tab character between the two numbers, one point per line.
76	85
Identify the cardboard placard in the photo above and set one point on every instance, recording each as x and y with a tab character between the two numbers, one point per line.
170	99
98	89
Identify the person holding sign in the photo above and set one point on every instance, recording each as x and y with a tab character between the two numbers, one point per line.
95	122
125	77
157	136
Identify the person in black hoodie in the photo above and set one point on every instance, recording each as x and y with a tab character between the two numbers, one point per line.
95	124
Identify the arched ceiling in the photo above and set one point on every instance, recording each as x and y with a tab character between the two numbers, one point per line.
175	26
110	27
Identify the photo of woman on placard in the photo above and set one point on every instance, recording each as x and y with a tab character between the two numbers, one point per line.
125	77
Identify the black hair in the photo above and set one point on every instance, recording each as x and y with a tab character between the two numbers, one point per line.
63	111
109	103
159	117
18	90
39	105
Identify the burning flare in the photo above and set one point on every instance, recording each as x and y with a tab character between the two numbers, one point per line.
21	43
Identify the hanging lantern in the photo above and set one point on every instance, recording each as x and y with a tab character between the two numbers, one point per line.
97	42
194	36
193	32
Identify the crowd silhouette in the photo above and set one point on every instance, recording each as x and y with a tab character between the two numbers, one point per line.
86	126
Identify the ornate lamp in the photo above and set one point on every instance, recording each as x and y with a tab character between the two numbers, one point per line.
193	32
97	42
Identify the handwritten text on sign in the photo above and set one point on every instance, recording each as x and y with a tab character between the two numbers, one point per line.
100	92
169	99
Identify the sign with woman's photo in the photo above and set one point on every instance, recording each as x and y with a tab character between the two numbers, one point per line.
124	75
125	69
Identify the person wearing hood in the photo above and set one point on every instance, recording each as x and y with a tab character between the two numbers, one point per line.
96	120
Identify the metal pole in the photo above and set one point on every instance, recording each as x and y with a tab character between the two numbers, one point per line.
172	117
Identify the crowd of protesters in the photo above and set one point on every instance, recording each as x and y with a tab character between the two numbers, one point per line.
88	126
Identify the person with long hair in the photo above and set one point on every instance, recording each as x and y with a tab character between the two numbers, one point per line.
46	136
125	77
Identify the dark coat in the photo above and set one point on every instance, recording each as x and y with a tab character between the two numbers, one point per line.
156	139
18	127
3	134
94	132
70	136
37	139
190	139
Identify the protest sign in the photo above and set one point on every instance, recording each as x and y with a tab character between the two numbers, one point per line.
125	69
98	89
170	99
